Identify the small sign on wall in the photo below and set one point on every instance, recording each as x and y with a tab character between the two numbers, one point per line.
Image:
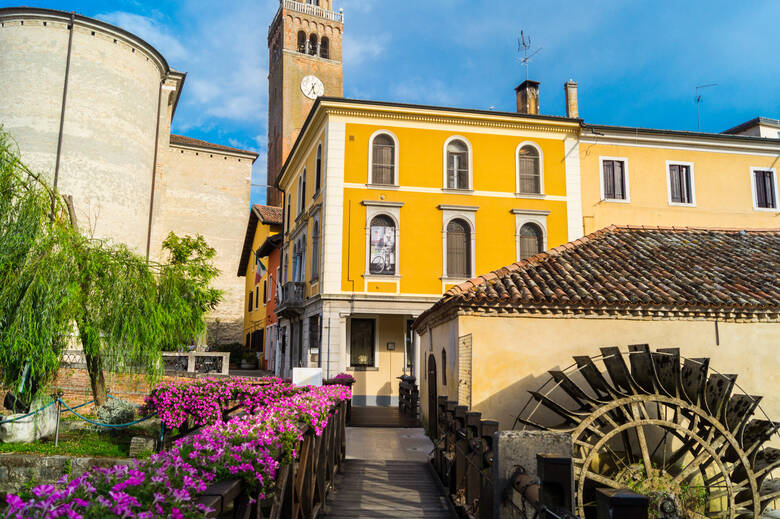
390	346
307	376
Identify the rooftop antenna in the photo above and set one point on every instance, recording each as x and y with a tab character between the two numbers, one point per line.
524	46
698	103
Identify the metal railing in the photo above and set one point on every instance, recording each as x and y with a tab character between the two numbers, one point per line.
293	293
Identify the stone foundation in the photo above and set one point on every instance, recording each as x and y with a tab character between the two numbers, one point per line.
20	470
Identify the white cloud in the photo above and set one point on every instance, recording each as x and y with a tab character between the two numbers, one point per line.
149	30
359	49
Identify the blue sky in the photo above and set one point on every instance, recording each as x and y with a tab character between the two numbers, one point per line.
636	63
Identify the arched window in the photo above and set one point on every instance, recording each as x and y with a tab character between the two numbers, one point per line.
457	165
531	241
382	246
318	170
313	44
313	2
529	178
315	251
301	42
383	159
443	367
458	249
325	47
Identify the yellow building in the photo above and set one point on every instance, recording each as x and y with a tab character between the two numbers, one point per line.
389	205
264	222
637	176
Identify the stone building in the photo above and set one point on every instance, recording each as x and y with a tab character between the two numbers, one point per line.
90	106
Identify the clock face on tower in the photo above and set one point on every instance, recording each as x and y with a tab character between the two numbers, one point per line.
312	87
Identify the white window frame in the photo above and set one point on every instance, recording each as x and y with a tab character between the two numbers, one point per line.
471	164
396	152
626	187
393	211
753	189
524	216
376	343
538	149
669	186
468	214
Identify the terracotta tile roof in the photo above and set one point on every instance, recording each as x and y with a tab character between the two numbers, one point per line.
189	141
626	267
269	214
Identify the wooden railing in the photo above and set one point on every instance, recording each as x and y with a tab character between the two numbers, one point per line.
463	456
408	396
300	488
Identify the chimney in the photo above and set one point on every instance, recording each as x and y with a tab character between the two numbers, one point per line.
528	97
572	109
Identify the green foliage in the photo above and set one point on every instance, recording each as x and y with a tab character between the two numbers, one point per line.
184	289
57	285
80	442
659	485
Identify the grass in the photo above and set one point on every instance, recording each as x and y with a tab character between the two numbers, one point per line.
82	442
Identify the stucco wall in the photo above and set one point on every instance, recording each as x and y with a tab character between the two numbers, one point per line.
110	116
511	355
206	192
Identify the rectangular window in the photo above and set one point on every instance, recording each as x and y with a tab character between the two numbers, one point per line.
361	342
614	174
265	289
764	182
314	333
680	184
257	297
250	300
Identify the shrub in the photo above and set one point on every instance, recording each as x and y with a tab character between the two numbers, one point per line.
115	412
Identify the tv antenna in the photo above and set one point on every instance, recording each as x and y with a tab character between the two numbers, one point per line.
698	103
524	46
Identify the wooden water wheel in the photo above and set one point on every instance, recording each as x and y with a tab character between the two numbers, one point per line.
666	426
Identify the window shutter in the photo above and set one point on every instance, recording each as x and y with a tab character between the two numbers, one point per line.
674	183
458	254
530	241
760	189
609	179
685	174
619	191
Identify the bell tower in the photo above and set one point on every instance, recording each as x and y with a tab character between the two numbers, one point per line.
304	62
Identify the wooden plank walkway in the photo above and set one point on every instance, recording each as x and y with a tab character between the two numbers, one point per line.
378	488
380	417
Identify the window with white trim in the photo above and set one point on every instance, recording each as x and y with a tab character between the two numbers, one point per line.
530	240
458	249
681	184
302	192
318	170
457	165
382	246
315	251
383	159
529	177
765	189
613	174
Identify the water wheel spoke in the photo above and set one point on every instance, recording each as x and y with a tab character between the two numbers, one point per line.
697	461
604	480
690	514
640	434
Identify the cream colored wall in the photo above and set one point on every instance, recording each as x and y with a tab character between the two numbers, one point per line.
511	355
722	187
206	192
381	382
441	337
110	117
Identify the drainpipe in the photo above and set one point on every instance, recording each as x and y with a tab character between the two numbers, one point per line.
64	99
154	171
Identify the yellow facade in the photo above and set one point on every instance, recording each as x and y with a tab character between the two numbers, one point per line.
721	165
420	206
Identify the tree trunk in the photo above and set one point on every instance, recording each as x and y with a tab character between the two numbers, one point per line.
94	366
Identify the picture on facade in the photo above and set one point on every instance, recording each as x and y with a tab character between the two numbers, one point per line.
382	246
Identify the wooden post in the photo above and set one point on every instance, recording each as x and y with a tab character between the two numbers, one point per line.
473	458
486	431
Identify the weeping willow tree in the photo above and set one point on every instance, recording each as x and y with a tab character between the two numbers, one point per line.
58	286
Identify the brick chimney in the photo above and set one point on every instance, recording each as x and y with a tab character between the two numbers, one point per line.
528	97
572	109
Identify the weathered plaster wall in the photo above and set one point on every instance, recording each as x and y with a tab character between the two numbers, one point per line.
206	192
512	354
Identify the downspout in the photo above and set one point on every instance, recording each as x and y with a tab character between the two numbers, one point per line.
64	99
154	171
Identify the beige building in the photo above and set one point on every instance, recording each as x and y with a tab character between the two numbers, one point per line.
90	106
711	293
